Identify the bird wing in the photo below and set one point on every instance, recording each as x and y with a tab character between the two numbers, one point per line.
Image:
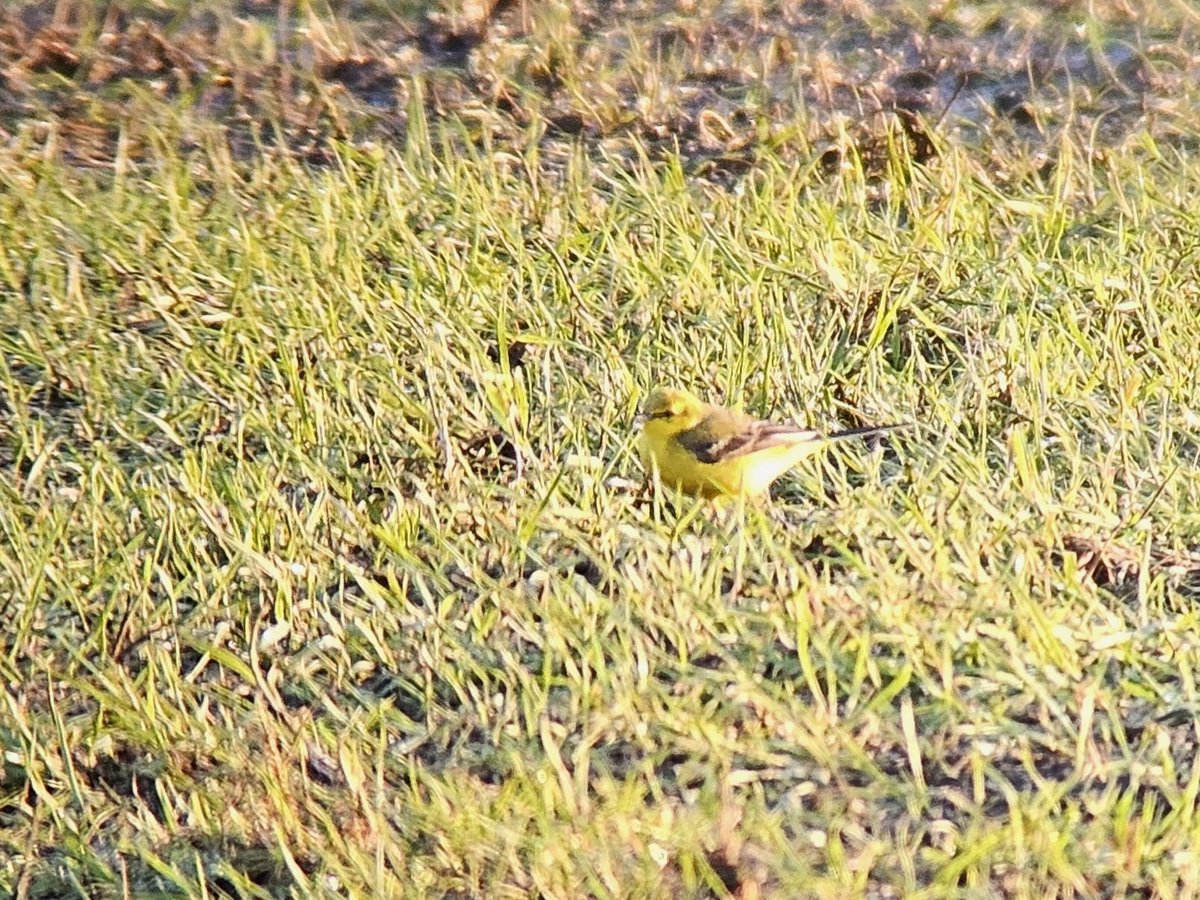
724	434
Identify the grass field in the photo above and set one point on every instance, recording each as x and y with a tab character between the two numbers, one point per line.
324	564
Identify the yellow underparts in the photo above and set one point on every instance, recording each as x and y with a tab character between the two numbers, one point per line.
748	475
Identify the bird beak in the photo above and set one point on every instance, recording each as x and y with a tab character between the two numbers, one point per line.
639	421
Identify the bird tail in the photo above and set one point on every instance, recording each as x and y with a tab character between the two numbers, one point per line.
867	431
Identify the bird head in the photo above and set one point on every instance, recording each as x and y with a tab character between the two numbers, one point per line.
666	403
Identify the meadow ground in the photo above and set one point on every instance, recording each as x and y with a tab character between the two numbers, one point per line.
323	570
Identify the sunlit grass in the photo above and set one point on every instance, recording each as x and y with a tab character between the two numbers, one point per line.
322	569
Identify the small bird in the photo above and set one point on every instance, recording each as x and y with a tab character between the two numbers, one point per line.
710	451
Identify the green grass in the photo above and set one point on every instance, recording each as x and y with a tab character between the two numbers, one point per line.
321	572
